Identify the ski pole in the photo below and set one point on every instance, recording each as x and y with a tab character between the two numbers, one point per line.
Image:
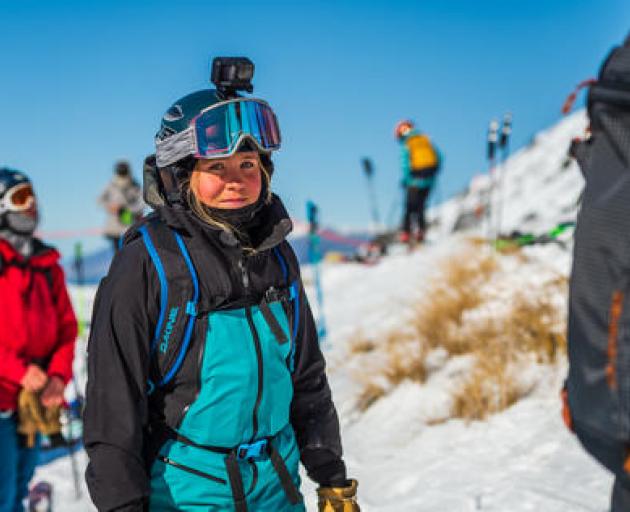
73	461
314	256
493	134
78	271
504	145
368	169
80	279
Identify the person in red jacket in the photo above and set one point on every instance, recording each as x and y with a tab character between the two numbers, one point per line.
38	329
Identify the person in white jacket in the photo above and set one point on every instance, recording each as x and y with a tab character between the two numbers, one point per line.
122	200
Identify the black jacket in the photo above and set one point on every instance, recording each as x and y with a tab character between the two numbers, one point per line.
119	414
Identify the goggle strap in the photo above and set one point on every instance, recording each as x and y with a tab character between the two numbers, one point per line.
177	146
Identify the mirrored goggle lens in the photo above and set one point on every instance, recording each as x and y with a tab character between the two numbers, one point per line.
219	129
19	198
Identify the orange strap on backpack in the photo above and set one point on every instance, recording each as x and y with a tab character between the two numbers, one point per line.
566	412
568	103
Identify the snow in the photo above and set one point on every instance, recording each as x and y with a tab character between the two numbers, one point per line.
405	452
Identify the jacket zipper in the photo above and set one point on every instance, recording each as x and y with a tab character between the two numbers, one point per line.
257	346
242	265
194	471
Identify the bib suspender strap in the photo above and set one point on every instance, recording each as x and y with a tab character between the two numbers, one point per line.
272	322
292	492
295	298
236	483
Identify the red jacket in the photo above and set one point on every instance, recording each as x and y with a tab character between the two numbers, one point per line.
37	322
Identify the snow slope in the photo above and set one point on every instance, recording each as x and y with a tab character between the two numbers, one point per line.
540	186
522	459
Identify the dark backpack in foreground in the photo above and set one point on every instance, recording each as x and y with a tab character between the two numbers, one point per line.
598	384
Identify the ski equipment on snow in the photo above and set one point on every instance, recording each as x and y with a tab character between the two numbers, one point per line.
519	239
368	169
492	139
504	145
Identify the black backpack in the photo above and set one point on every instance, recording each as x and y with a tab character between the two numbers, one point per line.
179	298
598	384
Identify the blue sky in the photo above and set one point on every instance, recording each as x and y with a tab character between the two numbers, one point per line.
83	84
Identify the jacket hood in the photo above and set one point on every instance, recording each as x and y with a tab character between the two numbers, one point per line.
43	255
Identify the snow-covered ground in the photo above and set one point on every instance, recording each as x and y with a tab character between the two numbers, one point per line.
521	459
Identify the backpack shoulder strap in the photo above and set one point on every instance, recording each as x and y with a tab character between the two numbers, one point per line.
294	291
179	295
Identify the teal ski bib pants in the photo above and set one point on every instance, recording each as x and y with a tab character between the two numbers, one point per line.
225	453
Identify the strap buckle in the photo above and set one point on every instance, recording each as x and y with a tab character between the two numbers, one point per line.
275	295
191	308
249	451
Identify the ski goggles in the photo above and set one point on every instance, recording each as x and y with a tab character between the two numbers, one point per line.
18	198
219	130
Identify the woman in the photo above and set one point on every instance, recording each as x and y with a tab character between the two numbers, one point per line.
37	330
206	383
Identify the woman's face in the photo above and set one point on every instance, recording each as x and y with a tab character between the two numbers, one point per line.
228	183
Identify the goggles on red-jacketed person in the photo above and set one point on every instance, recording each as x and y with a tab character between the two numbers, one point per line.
219	130
18	198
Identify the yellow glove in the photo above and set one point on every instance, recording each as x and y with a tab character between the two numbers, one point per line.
33	417
339	499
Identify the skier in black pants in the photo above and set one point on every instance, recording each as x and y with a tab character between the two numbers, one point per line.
420	162
415	205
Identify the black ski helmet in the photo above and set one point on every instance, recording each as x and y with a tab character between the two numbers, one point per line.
122	168
163	184
15	220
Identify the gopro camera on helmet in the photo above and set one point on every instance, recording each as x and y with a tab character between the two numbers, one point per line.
231	74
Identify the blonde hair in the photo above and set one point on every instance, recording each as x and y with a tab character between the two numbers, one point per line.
201	211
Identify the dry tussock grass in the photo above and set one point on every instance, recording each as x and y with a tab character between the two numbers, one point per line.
536	326
402	359
405	360
532	324
456	290
477	242
370	393
489	388
360	344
